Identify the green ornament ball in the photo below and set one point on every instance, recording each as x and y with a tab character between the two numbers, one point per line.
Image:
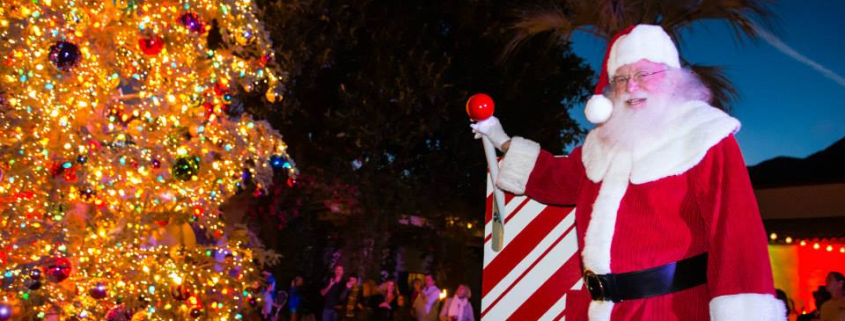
185	168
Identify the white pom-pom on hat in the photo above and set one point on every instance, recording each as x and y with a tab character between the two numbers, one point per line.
598	109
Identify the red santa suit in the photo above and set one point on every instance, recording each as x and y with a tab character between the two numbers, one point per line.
682	194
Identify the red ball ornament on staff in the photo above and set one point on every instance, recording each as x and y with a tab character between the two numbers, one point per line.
480	107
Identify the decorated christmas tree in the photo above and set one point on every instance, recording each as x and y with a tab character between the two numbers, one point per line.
122	131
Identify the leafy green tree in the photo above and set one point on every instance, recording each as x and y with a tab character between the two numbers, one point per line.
375	100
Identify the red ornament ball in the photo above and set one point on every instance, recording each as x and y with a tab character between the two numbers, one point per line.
59	270
99	291
151	46
119	313
221	89
480	107
266	58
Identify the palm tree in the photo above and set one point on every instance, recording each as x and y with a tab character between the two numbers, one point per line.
604	18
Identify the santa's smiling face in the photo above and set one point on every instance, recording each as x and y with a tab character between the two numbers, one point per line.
639	84
642	93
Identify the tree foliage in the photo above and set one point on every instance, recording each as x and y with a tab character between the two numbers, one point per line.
376	95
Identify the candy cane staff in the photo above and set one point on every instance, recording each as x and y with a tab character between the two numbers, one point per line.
479	108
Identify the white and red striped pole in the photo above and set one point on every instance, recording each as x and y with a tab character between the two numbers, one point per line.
480	107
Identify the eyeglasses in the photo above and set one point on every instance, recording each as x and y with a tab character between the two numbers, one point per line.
619	82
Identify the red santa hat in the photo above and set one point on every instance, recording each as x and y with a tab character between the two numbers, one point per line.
648	42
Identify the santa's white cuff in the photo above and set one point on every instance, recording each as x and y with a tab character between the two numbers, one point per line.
517	165
747	306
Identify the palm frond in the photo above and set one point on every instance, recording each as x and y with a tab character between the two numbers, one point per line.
743	16
538	21
723	91
604	18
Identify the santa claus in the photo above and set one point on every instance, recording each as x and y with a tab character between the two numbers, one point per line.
668	226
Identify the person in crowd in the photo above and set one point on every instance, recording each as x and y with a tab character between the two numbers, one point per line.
268	294
820	296
415	291
425	304
834	309
385	302
353	308
295	297
458	308
333	294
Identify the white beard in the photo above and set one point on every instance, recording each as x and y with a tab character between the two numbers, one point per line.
632	128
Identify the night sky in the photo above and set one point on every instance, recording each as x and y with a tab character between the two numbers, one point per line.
790	84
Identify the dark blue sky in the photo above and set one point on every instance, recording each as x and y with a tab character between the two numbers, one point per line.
787	107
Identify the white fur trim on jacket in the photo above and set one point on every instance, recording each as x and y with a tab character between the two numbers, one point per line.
599	236
600	310
747	306
517	165
693	128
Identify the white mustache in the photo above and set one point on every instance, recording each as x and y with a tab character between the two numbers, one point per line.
628	98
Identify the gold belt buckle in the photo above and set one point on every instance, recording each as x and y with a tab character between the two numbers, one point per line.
594	286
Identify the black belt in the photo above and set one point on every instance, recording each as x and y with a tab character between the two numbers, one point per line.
672	277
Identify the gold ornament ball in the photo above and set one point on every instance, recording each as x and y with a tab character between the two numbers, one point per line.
274	95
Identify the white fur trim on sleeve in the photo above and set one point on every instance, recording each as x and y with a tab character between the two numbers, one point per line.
517	166
747	306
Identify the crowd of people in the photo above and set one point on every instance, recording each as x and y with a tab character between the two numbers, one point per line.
829	301
345	297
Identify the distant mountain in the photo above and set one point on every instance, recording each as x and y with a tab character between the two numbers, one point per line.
824	167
